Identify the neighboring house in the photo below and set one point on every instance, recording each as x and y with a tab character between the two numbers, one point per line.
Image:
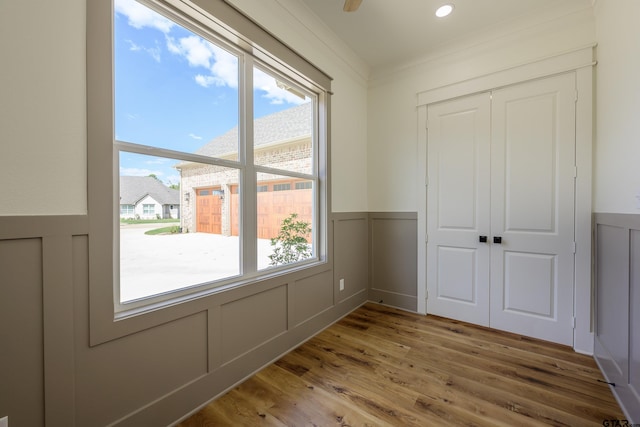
210	194
145	197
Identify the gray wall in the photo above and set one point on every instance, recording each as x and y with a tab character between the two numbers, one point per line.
617	328
393	259
50	373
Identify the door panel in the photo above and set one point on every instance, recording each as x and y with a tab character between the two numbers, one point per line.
457	274
532	208
458	209
530	162
457	170
529	284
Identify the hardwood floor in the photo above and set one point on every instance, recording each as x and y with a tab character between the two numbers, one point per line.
385	367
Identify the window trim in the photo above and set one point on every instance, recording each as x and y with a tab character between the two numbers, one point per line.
220	18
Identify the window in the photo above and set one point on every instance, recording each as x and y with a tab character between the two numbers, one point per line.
148	210
304	185
223	131
126	211
281	187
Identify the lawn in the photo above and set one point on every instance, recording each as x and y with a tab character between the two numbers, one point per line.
148	221
172	229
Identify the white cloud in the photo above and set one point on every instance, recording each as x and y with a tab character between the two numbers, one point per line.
212	80
139	172
153	51
140	16
157	161
225	67
194	136
205	81
196	50
267	84
221	66
133	47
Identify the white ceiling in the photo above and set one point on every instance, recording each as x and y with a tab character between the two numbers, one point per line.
387	32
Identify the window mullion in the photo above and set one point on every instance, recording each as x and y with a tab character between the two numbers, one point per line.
249	249
146	150
284	172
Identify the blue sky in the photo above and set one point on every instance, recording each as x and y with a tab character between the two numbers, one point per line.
175	90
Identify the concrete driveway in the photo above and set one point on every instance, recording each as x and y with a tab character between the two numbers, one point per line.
153	264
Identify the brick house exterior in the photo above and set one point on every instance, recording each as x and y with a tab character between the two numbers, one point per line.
281	140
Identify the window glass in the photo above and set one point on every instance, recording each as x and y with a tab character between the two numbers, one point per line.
184	234
185	154
283	142
283	125
173	88
285	221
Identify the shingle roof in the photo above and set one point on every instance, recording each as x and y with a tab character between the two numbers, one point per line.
285	125
134	188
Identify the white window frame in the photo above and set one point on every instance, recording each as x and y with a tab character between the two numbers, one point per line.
108	319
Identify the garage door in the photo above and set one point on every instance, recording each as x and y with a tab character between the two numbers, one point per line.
276	200
209	210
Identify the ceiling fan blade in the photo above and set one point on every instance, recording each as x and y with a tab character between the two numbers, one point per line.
351	5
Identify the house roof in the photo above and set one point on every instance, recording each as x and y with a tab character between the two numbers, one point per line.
134	188
285	125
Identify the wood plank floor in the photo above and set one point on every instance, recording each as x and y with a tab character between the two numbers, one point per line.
381	366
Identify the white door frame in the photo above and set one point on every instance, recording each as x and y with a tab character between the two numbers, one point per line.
581	61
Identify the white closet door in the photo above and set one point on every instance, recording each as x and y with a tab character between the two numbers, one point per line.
458	209
532	208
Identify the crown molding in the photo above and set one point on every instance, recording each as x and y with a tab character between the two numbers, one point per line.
526	26
280	17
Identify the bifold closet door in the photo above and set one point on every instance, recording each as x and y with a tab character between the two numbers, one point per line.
458	203
532	208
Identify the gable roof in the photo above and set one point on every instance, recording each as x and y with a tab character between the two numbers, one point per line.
285	125
134	188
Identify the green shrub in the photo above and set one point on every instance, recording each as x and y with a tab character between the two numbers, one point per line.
290	245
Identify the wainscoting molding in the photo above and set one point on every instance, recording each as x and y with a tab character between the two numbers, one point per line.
351	249
617	306
51	375
393	259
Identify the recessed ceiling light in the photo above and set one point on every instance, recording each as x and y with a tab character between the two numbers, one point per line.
444	10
